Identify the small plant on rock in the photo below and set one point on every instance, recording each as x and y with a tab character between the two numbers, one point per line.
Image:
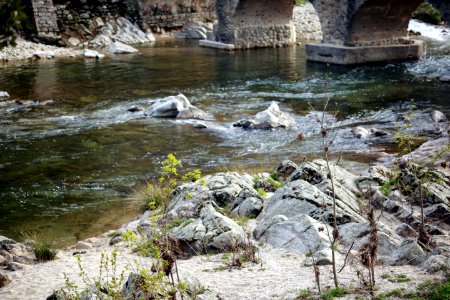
40	245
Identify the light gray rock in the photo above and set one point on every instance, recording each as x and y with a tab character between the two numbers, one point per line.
92	54
436	263
438	212
83	246
4	95
445	78
211	232
406	231
221	188
120	30
301	197
373	177
363	133
176	107
299	233
44	54
358	235
316	172
121	48
409	253
72	41
248	203
438	116
200	125
193	284
134	287
14	266
270	118
286	168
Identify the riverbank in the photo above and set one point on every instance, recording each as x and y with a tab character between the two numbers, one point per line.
280	216
29	50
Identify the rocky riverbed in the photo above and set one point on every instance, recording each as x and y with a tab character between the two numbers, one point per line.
243	236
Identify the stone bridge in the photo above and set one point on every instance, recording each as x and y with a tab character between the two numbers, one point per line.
354	31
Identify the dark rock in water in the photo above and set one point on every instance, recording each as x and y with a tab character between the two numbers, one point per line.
176	107
271	118
200	125
363	133
4	280
134	109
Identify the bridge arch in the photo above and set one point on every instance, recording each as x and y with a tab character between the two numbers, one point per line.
345	23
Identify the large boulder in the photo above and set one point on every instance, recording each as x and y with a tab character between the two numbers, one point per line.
270	118
316	172
299	233
121	48
222	189
211	232
436	263
409	253
4	95
357	234
301	197
248	203
119	30
176	107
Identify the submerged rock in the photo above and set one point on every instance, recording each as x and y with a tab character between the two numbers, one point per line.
363	133
270	118
176	107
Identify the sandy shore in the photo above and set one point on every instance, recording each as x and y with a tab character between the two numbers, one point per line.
280	275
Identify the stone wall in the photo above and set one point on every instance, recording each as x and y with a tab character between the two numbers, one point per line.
45	19
156	14
256	23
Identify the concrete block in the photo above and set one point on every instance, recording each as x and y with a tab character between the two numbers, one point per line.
344	55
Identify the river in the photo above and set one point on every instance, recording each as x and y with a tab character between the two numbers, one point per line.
72	167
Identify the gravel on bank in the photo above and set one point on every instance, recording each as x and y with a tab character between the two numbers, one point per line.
27	50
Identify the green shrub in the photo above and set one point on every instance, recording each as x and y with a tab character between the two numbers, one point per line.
40	245
427	13
261	192
301	2
335	293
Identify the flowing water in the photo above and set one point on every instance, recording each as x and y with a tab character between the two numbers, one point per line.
73	165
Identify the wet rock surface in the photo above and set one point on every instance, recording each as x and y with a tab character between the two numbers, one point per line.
270	118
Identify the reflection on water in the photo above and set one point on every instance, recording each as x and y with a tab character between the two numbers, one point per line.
73	165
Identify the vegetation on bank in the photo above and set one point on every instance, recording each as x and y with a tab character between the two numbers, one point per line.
13	21
428	14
